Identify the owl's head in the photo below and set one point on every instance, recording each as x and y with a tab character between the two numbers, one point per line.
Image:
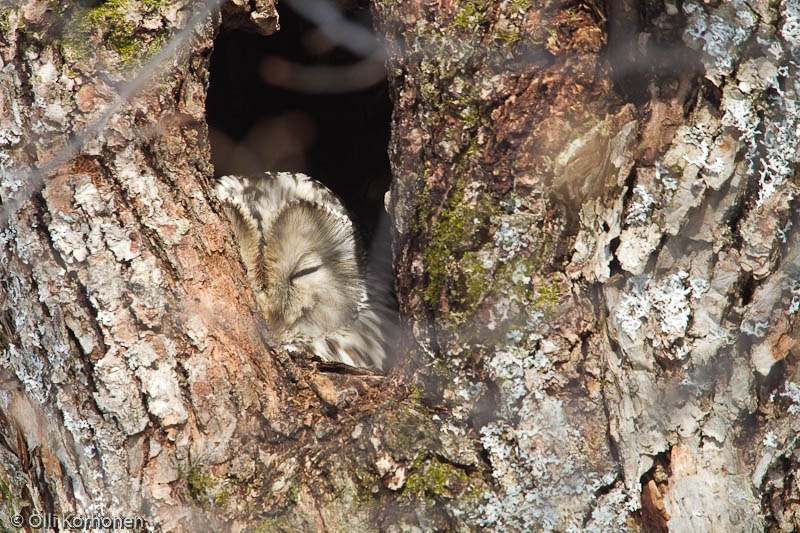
311	272
300	250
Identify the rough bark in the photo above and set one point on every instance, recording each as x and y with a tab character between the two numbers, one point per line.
132	360
596	267
606	294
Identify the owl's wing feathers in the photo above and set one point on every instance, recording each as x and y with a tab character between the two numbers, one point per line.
247	222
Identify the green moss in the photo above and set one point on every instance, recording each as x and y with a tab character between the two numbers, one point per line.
200	484
5	493
293	495
520	5
367	484
548	297
451	260
222	498
271	525
471	115
203	487
111	19
55	6
470	15
475	279
438	377
574	16
508	37
552	44
462	267
415	395
432	480
5	22
606	128
111	15
408	431
443	370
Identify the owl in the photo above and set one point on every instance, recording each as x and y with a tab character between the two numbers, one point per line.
309	274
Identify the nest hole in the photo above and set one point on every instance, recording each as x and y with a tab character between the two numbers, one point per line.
299	101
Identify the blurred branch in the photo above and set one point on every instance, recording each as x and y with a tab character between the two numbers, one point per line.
327	79
349	35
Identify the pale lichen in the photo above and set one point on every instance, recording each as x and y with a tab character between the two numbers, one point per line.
719	35
792	392
544	480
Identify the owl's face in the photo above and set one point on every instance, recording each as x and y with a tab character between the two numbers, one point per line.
309	273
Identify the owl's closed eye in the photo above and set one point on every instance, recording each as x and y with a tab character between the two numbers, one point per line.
307	269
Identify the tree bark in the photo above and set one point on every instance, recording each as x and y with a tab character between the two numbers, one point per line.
595	216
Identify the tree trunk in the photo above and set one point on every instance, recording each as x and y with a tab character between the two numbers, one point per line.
595	246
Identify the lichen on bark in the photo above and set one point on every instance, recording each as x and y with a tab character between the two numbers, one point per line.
664	219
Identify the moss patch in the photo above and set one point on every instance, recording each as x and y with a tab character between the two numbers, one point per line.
407	431
116	23
271	525
203	488
548	297
471	15
433	480
466	269
5	493
451	261
5	22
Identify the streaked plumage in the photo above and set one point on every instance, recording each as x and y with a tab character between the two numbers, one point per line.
307	270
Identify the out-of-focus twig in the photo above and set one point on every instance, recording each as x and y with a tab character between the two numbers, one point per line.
325	79
349	35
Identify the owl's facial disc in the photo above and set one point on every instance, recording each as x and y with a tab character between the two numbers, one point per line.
311	270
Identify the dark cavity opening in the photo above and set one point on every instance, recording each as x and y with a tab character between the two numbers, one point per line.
300	101
647	56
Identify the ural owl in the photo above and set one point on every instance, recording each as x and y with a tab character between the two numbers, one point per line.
306	267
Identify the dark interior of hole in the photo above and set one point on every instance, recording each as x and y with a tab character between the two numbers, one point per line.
339	139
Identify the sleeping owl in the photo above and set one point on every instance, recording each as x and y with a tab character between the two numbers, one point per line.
307	269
